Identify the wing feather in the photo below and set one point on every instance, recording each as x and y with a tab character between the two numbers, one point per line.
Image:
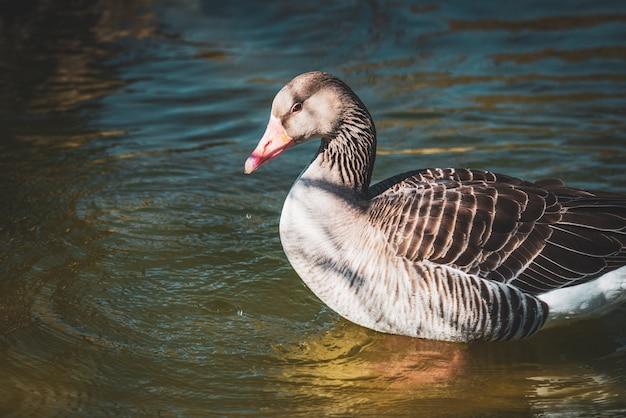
537	236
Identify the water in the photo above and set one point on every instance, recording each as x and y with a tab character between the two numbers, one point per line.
141	271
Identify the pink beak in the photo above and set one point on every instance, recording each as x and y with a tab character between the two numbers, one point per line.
274	142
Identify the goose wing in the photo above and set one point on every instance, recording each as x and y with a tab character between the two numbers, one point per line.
535	236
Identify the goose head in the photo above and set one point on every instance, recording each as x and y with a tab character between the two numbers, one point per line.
312	105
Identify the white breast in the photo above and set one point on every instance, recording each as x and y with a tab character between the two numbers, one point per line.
332	250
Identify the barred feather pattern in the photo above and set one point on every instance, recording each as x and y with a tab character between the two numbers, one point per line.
351	152
534	236
469	308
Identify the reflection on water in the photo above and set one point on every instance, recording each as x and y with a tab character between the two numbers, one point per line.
141	273
563	21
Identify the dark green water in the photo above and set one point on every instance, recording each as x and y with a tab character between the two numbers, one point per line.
141	273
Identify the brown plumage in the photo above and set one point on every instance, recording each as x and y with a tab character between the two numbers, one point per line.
536	236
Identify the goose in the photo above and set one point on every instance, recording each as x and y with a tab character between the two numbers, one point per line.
438	253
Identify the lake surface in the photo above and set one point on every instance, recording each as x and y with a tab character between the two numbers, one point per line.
141	272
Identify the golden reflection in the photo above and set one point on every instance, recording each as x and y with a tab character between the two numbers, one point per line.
349	368
212	55
405	362
407	121
401	83
167	151
570	388
443	80
547	23
69	140
353	355
488	101
574	55
426	151
579	386
511	145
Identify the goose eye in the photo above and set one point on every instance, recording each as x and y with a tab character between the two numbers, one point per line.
296	107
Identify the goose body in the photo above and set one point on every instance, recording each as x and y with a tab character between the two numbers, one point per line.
445	254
